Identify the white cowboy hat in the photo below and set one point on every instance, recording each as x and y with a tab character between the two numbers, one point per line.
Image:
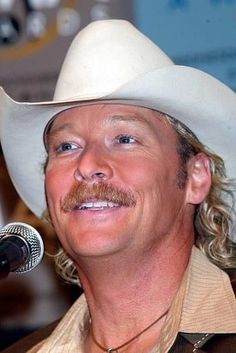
112	61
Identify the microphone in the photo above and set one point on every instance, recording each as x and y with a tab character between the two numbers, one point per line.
21	248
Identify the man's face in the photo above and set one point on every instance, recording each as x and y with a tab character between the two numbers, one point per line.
111	180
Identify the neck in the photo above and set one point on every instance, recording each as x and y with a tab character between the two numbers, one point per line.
125	296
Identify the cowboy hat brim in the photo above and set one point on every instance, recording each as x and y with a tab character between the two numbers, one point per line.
200	101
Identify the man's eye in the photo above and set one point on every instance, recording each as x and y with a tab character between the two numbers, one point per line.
125	139
66	146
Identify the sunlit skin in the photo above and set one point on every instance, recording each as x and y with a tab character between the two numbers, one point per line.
135	150
146	164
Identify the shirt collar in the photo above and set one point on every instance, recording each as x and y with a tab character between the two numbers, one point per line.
205	302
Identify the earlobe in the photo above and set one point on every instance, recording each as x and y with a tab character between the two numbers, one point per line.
199	179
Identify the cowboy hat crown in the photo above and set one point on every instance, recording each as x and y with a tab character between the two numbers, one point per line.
94	66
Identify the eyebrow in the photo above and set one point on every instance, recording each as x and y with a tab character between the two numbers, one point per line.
55	130
133	119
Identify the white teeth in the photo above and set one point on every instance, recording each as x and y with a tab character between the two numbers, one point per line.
97	205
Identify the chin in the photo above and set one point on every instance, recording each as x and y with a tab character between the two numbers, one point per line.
94	245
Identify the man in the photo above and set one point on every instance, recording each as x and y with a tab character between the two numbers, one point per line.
131	191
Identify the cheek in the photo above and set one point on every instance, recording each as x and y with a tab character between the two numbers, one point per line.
136	168
57	184
147	173
156	183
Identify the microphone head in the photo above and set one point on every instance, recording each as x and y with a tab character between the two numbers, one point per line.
33	240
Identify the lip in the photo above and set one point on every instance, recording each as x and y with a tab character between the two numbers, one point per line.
98	213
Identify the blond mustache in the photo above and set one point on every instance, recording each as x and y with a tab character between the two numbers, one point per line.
81	192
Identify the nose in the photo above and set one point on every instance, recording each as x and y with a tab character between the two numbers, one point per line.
93	165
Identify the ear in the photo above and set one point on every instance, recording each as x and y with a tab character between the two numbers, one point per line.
199	179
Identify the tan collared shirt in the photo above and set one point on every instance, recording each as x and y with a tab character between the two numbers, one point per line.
205	303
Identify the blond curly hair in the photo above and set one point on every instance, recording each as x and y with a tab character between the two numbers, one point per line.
214	219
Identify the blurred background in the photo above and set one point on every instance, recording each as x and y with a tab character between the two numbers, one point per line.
34	37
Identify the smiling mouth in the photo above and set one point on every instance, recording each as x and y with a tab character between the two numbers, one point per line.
96	197
96	205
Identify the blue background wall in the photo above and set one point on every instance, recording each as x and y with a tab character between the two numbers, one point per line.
199	33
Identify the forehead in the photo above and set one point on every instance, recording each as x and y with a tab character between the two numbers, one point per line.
108	114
